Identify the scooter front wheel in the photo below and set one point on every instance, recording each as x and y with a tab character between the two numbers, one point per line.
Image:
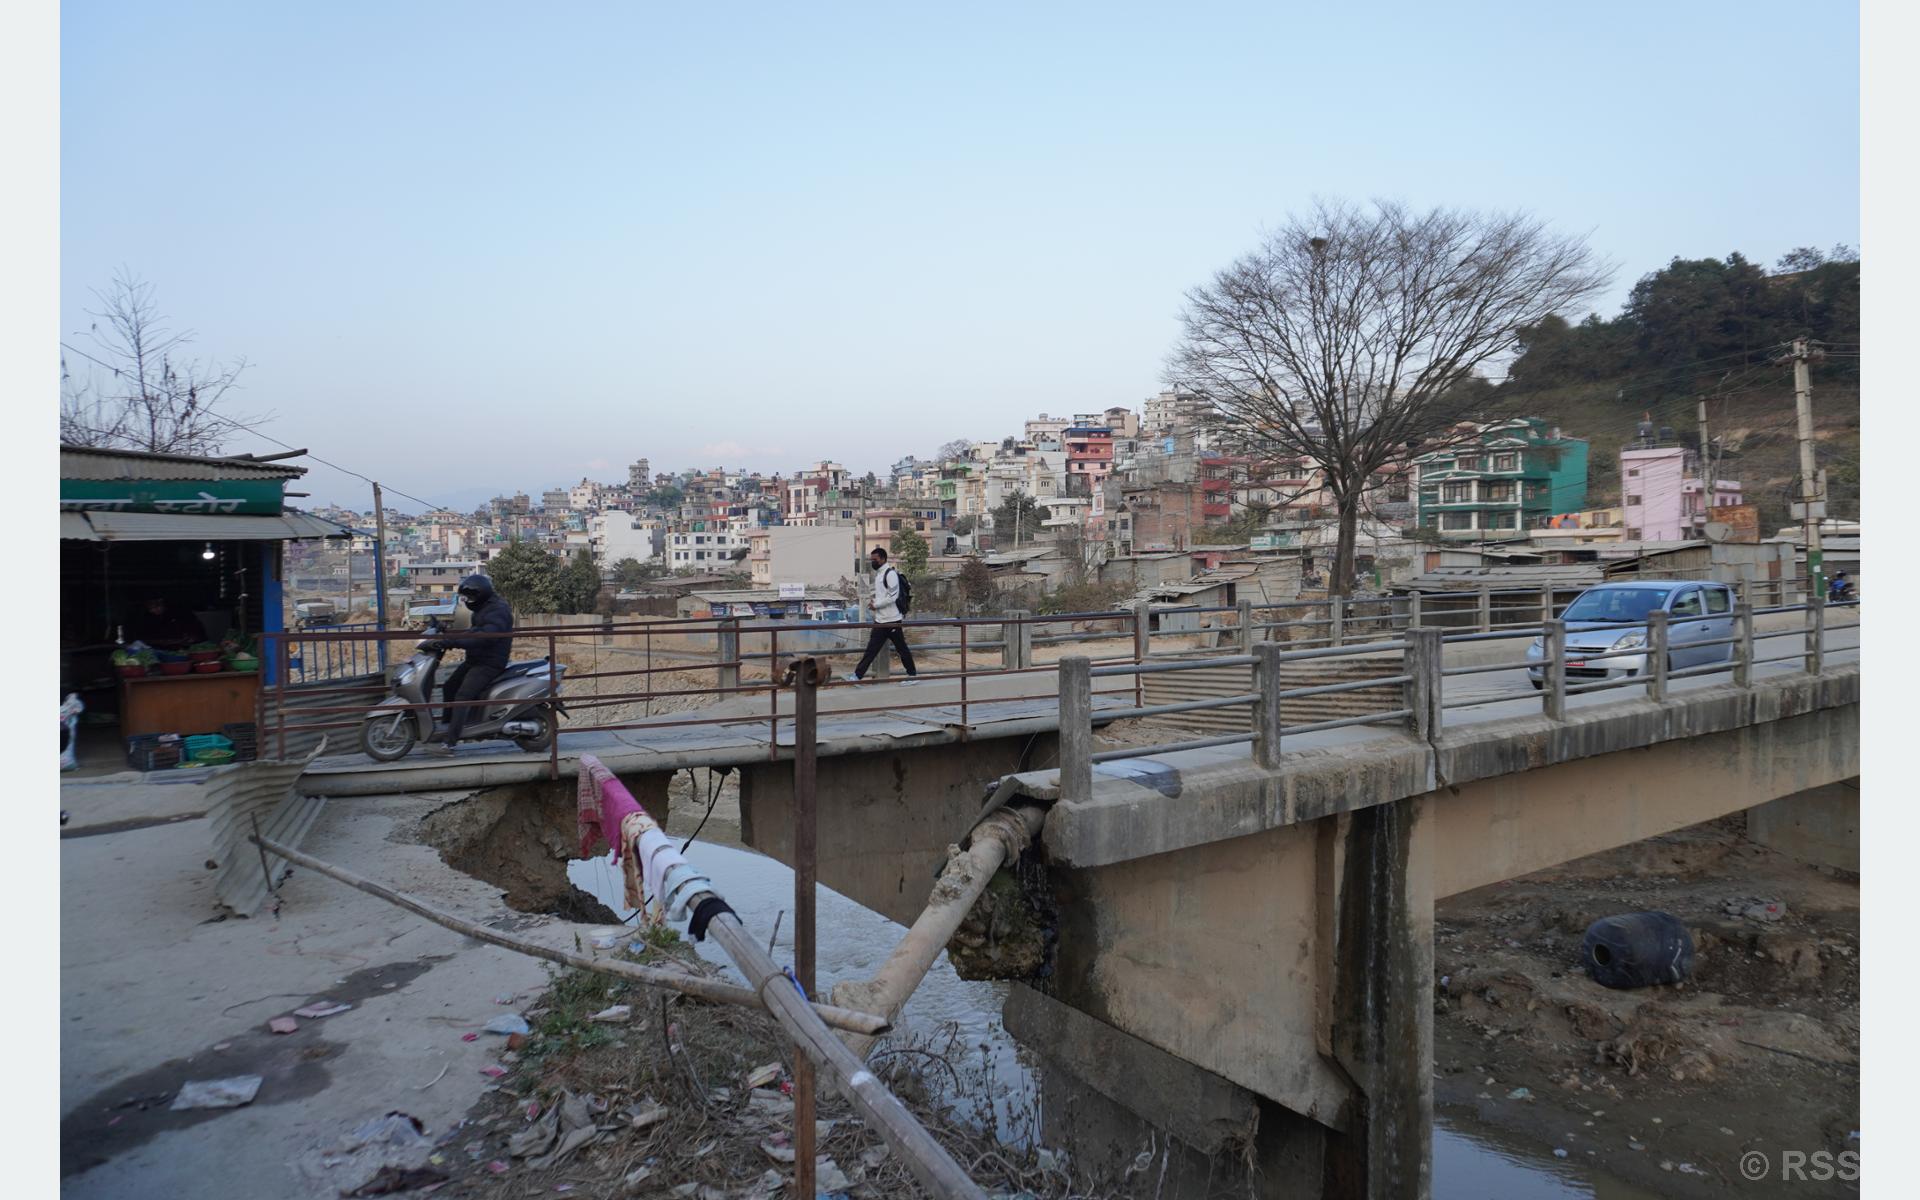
538	743
386	737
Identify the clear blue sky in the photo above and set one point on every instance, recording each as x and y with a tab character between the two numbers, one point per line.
490	246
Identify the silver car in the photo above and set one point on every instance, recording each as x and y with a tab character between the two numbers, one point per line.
1613	617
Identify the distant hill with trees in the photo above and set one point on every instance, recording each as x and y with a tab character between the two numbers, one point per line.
1713	328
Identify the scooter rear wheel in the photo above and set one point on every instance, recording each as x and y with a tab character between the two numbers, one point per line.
539	742
387	737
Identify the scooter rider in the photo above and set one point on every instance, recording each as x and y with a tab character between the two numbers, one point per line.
486	656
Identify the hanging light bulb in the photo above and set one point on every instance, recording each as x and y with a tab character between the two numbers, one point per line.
208	552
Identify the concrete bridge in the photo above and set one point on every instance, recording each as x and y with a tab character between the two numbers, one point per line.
1244	950
1243	921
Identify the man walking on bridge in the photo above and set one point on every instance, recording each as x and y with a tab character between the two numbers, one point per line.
887	616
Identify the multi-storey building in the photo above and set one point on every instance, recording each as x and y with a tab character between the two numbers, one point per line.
1500	479
1089	457
1169	409
1662	496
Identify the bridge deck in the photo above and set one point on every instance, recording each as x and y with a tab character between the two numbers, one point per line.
742	731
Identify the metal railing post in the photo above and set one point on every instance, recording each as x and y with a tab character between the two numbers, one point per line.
1486	610
1076	729
727	653
1743	644
1245	630
881	669
1422	690
1142	631
1816	633
1413	610
963	679
1336	620
1658	637
1266	711
1546	602
1553	692
553	711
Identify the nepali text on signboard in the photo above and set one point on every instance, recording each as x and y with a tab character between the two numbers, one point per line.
207	497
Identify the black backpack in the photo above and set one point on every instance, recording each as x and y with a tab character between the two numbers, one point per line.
905	601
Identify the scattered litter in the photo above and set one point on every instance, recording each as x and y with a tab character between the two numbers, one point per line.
619	1014
391	1180
223	1045
1690	1169
516	1040
1520	1093
493	1072
1559	1153
762	1076
1632	1145
284	1025
503	999
608	939
828	1177
469	1037
1656	1120
1666	1166
217	1093
322	1009
511	1023
778	1153
1755	909
640	1116
636	1177
436	1079
562	1187
1725	1130
394	1129
559	1132
497	1167
872	1157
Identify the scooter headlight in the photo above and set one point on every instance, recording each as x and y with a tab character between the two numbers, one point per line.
1630	641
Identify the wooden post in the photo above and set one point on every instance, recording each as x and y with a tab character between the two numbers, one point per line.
1553	693
1266	711
1657	654
1413	610
806	675
1076	729
1743	645
1245	630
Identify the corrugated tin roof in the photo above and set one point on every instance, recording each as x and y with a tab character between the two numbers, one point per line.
195	527
1442	579
88	462
74	528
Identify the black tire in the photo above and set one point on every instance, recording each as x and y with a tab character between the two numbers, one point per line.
538	743
382	740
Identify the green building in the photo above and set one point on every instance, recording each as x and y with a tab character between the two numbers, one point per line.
1502	481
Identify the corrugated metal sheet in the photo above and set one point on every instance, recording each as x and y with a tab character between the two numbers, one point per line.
74	528
195	527
237	797
82	462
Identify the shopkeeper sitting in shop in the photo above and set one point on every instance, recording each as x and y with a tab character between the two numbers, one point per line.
163	628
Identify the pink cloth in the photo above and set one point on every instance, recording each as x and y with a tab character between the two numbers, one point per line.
604	804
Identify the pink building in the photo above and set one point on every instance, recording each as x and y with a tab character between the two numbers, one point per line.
1663	496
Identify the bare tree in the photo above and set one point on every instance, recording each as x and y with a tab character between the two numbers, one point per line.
957	450
1350	336
135	389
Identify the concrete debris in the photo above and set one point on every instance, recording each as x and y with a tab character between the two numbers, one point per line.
1755	909
216	1093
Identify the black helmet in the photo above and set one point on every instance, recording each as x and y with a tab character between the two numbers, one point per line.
476	590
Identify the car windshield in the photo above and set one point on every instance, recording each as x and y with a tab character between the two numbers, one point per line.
1616	604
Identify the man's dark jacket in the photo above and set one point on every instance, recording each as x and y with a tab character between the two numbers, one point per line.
493	616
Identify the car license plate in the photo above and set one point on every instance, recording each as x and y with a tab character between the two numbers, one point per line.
1576	662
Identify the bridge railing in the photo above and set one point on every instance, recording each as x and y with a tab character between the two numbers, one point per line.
1415	663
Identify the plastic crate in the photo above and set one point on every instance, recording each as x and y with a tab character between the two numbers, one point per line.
246	743
201	742
148	752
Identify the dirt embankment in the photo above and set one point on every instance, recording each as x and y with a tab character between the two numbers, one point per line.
1666	1086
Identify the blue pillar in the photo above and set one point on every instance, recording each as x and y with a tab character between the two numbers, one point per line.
271	607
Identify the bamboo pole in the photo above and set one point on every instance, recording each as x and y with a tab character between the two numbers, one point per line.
690	985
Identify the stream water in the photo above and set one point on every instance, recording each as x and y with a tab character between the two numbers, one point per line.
961	1020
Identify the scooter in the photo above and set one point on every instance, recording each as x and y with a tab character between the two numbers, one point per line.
520	705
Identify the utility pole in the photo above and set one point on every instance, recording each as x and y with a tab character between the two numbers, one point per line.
860	569
1706	459
380	569
1803	411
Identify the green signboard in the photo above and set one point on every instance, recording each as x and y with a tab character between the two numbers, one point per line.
212	497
